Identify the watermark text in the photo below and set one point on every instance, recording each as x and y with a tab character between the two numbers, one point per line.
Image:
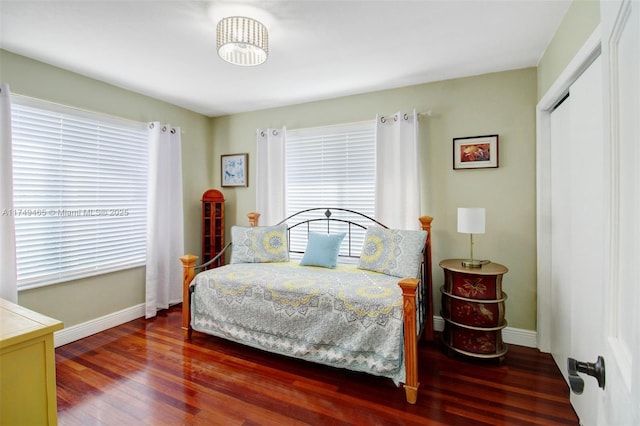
42	212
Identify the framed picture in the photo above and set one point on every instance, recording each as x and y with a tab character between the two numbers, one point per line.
475	152
234	169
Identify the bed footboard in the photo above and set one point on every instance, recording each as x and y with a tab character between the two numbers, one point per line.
409	287
189	268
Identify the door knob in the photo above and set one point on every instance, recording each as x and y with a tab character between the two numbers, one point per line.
592	369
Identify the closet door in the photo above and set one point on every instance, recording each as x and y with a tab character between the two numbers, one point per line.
587	228
560	121
577	227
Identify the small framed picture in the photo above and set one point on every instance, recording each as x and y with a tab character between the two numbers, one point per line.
475	152
234	169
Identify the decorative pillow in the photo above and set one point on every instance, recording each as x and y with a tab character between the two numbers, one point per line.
259	244
392	252
322	250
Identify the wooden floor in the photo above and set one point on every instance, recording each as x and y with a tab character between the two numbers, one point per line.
143	373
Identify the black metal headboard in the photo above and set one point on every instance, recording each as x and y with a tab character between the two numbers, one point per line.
323	219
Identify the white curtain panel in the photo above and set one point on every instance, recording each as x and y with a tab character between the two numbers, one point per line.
270	175
8	272
165	224
397	170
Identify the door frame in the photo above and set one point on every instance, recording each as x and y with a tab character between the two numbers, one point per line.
580	62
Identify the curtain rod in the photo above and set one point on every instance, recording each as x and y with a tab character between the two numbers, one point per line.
427	113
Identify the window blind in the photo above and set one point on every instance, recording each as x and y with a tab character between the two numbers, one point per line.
80	184
331	166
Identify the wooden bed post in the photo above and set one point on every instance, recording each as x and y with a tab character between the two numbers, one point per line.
253	218
409	286
425	222
188	271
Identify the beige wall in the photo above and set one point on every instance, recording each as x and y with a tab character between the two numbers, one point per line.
86	299
502	103
579	22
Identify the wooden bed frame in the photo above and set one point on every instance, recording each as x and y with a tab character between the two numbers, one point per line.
417	305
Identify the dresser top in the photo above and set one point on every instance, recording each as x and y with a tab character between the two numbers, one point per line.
19	324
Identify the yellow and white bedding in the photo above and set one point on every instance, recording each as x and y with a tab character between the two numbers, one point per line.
344	317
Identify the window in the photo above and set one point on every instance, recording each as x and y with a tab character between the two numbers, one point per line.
331	167
80	183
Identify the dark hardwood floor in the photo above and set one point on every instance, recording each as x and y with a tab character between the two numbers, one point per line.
143	373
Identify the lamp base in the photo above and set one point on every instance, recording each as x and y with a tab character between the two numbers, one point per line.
472	263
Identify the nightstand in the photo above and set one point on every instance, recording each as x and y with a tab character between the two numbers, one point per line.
473	306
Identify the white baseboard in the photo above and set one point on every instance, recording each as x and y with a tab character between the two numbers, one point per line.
520	337
86	329
514	336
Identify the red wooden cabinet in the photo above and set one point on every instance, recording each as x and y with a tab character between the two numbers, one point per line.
473	307
212	226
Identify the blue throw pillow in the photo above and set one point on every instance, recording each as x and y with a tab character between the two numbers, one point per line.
322	250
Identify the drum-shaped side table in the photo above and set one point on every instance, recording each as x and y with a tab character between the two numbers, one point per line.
473	306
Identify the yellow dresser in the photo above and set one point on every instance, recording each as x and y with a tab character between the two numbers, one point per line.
27	367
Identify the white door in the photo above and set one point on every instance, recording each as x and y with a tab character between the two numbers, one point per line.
619	404
561	292
577	174
587	232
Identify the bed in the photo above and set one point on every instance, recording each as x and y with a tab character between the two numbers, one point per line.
326	285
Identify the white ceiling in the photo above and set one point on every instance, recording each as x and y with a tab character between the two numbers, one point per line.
318	49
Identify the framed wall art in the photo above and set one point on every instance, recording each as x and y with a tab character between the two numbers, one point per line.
234	169
475	152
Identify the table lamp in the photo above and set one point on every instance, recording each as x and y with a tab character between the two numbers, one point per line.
471	221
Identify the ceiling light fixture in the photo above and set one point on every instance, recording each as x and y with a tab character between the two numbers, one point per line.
242	41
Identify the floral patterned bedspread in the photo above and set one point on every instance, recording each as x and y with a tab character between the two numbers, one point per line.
344	317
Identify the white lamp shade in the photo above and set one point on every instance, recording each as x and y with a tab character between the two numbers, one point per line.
471	220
